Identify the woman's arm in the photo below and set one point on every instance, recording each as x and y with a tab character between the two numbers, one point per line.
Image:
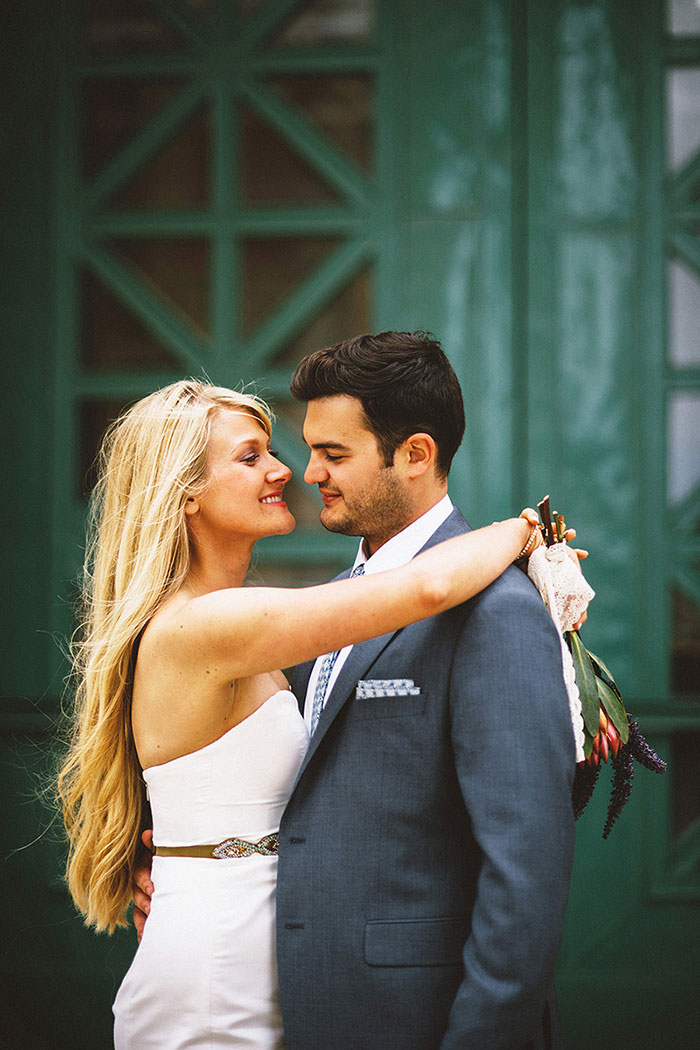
244	631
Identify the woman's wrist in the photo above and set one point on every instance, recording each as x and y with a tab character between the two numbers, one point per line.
531	542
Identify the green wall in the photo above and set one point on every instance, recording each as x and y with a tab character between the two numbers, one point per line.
518	208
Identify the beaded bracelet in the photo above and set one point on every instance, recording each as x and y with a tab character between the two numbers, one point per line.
530	545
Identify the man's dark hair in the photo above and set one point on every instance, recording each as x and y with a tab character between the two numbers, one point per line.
404	381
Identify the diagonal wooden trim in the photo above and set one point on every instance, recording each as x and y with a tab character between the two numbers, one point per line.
305	302
260	25
158	317
687	511
184	20
686	855
688	581
293	126
683	182
687	247
155	134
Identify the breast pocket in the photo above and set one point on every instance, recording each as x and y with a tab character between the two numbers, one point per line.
391	706
415	942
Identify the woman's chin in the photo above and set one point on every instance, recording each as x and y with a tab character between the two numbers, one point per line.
288	526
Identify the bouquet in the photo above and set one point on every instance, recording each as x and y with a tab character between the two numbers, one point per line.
608	732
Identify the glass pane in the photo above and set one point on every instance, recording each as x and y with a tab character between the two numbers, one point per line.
111	338
685	771
341	106
93	419
349	313
684	310
683	445
684	16
113	111
685	646
273	173
126	27
330	22
176	269
683	115
177	176
273	267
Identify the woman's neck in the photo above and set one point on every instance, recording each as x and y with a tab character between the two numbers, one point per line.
217	570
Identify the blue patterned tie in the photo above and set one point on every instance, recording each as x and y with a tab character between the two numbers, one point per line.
324	672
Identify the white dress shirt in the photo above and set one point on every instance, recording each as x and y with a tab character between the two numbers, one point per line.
395	552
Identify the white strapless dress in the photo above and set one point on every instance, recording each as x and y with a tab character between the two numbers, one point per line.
205	973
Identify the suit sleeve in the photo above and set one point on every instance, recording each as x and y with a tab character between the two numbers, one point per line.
515	760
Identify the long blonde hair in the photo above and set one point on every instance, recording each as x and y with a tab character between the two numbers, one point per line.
152	459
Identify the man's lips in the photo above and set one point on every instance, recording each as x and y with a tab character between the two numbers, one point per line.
328	497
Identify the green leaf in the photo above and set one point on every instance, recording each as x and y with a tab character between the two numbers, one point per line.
586	682
605	675
614	709
587	745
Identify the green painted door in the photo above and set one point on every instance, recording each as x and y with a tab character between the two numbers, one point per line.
210	187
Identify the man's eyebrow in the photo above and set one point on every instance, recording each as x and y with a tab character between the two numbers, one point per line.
329	444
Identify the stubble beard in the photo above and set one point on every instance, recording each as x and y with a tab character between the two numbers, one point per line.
377	513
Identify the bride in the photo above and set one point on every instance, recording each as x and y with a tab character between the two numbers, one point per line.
179	698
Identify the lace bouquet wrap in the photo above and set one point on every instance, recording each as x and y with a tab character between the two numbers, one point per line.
602	728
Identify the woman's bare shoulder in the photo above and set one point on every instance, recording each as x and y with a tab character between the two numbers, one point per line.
180	625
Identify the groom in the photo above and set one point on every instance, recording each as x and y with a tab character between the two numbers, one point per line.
426	850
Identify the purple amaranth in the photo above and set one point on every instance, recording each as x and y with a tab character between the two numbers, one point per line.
584	783
623	771
644	754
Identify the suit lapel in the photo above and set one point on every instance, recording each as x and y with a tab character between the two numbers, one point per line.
299	681
360	659
361	656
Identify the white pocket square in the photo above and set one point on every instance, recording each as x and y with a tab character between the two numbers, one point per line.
369	687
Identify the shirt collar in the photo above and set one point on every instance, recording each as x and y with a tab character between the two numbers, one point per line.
405	544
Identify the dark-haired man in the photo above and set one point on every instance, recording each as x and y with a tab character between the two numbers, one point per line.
425	853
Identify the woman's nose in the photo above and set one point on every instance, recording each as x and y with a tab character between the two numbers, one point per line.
279	471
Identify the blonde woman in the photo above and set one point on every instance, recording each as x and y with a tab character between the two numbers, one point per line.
179	696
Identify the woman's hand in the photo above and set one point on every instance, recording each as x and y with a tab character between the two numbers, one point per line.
143	887
576	554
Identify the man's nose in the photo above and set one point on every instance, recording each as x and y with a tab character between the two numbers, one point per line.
315	471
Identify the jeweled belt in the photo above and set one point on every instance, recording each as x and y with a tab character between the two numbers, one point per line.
268	846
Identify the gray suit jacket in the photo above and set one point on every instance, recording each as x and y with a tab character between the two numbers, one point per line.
426	850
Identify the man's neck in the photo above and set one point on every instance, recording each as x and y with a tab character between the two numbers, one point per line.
371	545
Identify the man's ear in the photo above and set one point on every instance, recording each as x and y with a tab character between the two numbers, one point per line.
191	506
419	453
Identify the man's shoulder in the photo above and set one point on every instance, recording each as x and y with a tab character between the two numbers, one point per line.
510	608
